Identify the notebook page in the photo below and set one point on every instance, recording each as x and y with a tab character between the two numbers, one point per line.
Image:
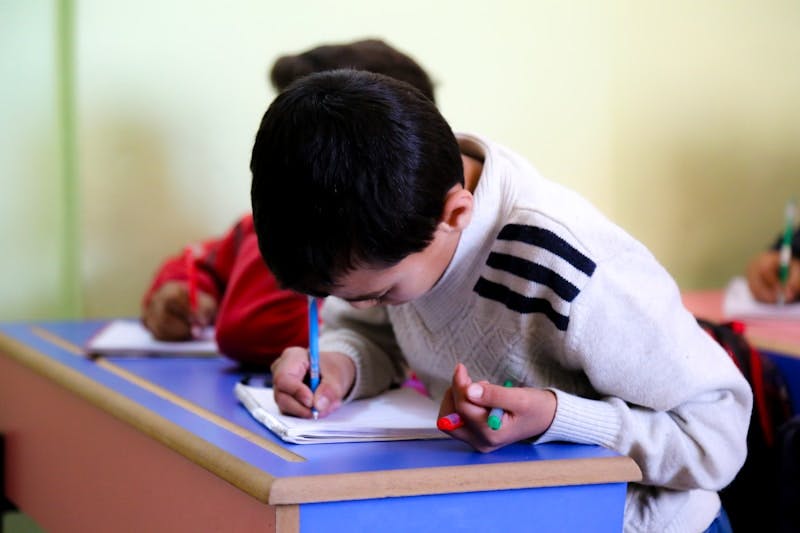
126	337
398	414
740	303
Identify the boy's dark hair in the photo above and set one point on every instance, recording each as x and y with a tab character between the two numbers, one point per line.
373	55
350	169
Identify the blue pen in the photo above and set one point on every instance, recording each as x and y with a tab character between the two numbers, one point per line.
313	349
495	419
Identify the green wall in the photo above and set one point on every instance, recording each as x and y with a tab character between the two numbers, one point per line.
39	273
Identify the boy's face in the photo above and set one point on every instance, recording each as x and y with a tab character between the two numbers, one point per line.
406	281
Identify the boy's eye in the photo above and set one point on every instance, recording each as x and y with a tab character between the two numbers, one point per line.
379	299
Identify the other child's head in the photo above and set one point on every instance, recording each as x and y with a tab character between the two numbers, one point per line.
373	55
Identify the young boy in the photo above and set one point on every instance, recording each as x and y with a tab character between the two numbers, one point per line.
255	319
445	252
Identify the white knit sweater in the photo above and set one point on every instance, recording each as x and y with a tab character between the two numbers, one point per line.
547	292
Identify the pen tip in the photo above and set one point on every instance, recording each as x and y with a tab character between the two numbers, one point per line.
315	414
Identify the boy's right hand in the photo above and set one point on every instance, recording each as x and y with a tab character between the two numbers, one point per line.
294	397
168	315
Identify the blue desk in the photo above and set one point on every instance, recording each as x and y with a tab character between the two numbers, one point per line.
157	444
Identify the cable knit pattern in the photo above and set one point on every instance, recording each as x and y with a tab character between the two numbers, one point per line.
546	291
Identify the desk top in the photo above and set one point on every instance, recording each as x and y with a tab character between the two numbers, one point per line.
781	337
188	405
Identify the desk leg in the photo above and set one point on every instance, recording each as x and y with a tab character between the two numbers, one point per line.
287	519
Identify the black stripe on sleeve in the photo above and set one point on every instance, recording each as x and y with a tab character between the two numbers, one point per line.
520	303
533	272
549	241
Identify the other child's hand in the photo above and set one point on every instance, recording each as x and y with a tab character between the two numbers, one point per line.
764	281
168	315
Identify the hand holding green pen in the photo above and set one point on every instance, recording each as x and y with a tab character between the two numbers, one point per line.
453	421
526	412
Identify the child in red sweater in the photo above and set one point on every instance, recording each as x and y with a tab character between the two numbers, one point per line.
254	318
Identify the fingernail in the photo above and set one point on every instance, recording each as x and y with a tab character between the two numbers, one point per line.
322	403
474	391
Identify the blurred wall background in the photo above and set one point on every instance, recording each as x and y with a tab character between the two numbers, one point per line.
125	128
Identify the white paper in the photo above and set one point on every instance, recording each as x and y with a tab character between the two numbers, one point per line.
740	303
398	414
130	337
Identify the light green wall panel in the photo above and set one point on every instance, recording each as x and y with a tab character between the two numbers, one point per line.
38	269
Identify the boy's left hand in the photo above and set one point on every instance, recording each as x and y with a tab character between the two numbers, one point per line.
528	411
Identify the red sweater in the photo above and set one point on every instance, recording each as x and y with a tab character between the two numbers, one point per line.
256	319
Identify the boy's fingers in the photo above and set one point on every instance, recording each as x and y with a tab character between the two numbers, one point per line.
764	290
447	406
326	397
490	395
793	283
292	362
206	309
290	405
461	377
170	327
296	393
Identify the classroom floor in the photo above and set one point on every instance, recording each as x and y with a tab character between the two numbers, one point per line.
19	523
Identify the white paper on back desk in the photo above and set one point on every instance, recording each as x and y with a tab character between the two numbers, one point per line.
130	337
397	414
740	303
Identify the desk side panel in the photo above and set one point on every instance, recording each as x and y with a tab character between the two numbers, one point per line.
596	508
73	467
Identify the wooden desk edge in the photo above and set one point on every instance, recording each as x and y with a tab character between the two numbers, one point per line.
442	480
242	475
784	349
707	303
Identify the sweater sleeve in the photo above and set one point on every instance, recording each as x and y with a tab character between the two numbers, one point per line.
257	319
366	336
669	395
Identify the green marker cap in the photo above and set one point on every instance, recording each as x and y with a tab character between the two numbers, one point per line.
494	422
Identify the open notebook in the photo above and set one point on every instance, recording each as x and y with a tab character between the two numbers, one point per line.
130	337
398	414
740	303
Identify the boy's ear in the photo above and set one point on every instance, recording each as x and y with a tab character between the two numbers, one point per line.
457	210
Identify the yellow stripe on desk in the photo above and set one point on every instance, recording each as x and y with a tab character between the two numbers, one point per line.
161	392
